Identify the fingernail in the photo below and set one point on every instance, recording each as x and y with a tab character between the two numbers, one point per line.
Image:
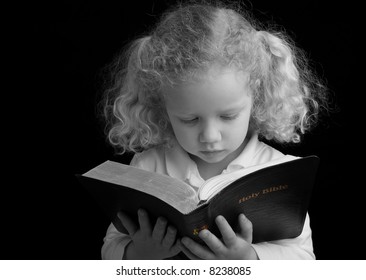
219	218
184	241
203	233
171	230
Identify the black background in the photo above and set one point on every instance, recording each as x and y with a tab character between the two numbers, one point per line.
53	132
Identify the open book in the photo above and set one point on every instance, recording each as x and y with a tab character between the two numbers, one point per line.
274	196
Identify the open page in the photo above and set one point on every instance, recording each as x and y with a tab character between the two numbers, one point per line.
175	192
217	183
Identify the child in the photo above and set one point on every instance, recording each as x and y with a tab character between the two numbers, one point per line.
191	101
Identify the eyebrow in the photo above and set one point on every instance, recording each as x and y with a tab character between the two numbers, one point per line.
233	109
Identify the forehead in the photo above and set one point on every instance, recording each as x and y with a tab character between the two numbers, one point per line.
218	88
214	74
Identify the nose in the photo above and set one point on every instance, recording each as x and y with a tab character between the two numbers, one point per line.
210	133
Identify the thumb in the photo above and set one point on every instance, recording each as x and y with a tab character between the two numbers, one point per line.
246	228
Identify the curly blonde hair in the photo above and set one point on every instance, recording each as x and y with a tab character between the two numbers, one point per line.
186	42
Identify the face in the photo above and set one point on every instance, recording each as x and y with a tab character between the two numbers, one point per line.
210	119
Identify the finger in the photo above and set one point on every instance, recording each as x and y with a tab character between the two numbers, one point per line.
197	249
176	248
246	228
170	237
228	235
159	229
144	221
128	223
188	253
212	242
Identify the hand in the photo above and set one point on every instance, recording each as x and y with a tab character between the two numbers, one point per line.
235	246
147	243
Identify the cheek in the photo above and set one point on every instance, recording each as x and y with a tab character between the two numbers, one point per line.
238	131
183	133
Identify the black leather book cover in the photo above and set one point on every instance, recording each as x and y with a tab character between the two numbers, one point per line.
275	199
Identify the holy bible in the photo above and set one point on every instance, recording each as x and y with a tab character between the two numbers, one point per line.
274	196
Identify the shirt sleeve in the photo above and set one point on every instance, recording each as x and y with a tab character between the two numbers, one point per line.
114	244
300	247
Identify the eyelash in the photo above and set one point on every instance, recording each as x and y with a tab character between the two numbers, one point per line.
226	118
189	121
229	118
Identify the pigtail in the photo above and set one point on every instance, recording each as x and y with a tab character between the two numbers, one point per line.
283	105
131	105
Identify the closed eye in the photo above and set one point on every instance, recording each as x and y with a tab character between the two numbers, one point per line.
189	121
229	117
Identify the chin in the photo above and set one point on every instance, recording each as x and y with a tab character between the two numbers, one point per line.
212	159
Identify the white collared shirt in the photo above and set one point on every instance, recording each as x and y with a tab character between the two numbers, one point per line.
176	163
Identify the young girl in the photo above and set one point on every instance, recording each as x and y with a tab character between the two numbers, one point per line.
190	100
